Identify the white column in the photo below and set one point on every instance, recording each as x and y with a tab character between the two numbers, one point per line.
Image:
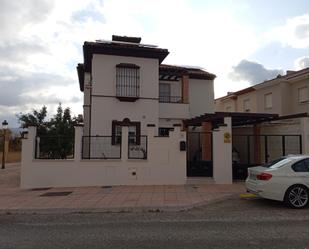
78	143
27	155
151	132
305	135
124	143
222	153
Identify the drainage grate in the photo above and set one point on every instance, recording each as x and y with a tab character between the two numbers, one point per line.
106	187
39	189
56	194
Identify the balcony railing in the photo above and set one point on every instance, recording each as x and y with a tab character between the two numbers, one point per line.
170	99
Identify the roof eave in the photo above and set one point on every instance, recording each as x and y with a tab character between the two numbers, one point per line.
90	49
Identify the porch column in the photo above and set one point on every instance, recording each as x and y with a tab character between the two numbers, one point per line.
206	141
124	143
78	143
185	89
27	156
222	153
257	143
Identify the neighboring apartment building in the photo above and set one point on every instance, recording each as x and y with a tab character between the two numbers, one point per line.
283	95
124	81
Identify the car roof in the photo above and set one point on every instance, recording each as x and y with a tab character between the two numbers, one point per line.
297	157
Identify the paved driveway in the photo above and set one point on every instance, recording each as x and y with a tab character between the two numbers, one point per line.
10	176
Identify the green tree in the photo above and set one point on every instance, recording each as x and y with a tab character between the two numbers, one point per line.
56	136
36	118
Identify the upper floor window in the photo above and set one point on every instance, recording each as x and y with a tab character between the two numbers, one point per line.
303	95
247	105
127	82
268	101
164	92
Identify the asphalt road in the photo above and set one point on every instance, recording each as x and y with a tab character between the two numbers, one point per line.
233	223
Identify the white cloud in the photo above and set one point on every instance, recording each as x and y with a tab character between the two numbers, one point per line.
50	42
302	62
213	39
295	32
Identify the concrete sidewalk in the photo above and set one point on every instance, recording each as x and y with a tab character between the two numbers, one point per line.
111	199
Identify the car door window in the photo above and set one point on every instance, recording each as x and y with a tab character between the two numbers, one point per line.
301	166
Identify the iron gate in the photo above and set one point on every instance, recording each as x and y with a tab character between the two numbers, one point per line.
253	150
199	154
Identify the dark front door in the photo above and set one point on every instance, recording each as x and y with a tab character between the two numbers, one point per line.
199	154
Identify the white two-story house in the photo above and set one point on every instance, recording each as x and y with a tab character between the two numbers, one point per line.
124	81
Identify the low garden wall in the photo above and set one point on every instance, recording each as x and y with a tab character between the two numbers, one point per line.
165	164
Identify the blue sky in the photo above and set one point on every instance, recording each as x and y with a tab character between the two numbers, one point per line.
243	42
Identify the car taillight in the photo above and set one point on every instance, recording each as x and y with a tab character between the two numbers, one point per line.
264	176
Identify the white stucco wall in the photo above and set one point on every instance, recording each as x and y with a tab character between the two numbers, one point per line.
201	97
104	74
251	97
222	105
295	105
165	164
174	110
104	110
169	122
222	154
275	90
105	107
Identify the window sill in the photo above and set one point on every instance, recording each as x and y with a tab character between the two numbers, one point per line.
127	99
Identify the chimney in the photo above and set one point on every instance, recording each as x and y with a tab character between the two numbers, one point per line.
289	72
130	39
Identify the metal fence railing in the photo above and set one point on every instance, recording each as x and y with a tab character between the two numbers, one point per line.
253	150
101	147
200	154
57	147
137	147
170	99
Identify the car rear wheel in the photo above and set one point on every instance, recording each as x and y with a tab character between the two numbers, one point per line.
297	196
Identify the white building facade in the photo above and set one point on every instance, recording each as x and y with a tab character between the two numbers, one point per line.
124	79
134	107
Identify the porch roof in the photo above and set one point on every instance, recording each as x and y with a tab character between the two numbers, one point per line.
238	118
172	72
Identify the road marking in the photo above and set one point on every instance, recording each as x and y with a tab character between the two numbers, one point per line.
248	195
